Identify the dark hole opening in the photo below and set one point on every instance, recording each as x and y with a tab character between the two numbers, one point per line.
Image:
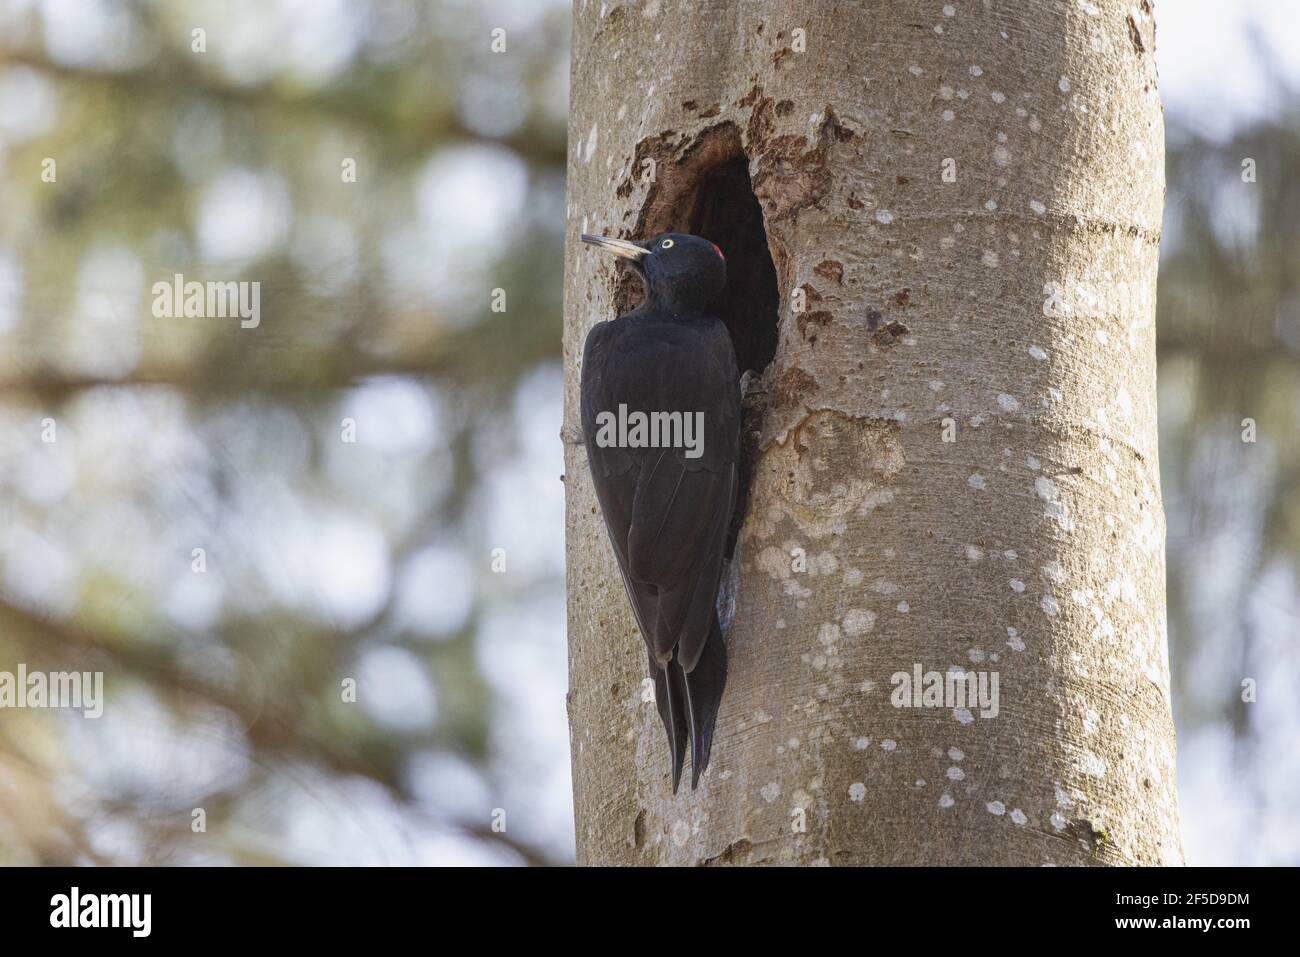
725	211
711	195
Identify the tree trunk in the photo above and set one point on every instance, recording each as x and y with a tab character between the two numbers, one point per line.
952	442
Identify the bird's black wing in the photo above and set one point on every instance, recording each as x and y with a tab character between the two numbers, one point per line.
668	513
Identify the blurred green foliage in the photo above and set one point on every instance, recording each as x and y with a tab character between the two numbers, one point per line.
1229	346
231	162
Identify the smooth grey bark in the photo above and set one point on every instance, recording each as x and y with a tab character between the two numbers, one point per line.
957	464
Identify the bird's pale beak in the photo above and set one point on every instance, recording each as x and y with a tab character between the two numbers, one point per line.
619	247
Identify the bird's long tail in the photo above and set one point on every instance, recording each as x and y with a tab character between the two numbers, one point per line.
688	704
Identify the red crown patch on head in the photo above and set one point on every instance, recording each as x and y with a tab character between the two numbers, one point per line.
718	251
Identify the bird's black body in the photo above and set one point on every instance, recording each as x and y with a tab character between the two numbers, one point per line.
668	509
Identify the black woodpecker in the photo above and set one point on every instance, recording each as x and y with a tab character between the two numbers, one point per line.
661	421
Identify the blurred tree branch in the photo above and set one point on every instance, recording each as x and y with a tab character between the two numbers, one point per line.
166	75
271	729
163	77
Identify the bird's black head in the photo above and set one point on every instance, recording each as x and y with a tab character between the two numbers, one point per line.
682	273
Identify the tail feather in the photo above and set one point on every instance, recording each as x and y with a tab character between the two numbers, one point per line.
670	699
704	684
688	704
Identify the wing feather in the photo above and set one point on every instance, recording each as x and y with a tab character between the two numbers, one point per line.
667	515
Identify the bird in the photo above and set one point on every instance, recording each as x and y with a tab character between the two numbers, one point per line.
668	505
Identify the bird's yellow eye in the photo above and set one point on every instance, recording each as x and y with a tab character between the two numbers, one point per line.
666	244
